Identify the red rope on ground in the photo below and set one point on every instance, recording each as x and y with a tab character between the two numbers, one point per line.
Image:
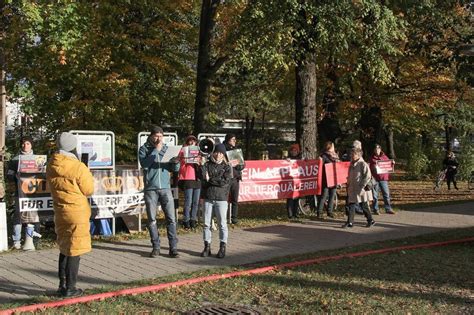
162	286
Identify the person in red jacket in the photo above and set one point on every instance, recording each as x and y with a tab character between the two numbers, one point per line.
381	181
190	184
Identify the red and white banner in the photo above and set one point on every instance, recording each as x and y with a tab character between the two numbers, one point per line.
280	179
384	167
336	173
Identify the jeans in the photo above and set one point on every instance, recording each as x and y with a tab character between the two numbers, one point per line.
17	226
220	209
328	193
381	185
191	203
234	199
165	198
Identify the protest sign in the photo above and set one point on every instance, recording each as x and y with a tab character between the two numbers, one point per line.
235	157
336	173
384	167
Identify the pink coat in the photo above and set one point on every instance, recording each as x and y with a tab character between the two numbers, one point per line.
187	171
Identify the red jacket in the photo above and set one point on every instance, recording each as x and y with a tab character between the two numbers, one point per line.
187	171
373	163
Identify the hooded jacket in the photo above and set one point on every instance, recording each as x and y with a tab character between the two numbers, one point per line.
70	182
373	164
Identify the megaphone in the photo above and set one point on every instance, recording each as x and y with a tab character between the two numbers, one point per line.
30	233
206	146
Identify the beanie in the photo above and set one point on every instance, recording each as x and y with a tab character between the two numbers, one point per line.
220	148
156	129
67	141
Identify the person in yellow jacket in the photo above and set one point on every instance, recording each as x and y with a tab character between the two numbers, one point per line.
70	182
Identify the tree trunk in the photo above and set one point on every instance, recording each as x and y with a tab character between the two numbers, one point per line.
305	106
390	143
371	128
249	128
3	104
329	128
205	68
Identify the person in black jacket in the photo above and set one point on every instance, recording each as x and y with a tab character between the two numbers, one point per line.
328	193
294	153
450	164
230	144
216	176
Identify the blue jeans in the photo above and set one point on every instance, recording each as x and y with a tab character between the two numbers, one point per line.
220	209
191	203
165	198
382	186
328	193
17	226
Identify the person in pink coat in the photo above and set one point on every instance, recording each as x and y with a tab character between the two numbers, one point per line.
190	184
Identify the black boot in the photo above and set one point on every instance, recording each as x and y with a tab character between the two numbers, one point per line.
207	250
192	224
221	253
62	286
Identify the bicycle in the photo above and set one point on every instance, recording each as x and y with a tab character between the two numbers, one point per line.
307	204
470	181
440	179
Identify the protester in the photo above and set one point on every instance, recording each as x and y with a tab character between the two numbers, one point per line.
294	153
230	143
157	189
357	191
71	183
191	185
12	176
450	164
380	181
328	193
216	176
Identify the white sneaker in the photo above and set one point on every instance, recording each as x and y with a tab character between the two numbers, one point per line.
16	245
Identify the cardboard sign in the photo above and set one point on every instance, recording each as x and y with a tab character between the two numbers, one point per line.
385	167
191	154
235	157
32	164
336	173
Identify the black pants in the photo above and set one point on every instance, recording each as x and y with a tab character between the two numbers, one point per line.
68	270
451	177
352	209
234	198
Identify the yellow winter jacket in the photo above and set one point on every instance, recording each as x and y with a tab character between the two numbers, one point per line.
70	182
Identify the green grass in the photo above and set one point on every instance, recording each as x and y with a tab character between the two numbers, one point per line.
436	280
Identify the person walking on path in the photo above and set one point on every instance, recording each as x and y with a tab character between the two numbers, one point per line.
450	164
216	176
294	153
381	181
328	193
357	190
191	185
12	176
71	183
157	189
230	143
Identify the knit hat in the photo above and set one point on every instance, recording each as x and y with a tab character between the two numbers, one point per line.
156	129
220	148
189	138
67	141
296	147
26	138
357	144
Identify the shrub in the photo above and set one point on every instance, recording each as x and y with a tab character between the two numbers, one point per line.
417	165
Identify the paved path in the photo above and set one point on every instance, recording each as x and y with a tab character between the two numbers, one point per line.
27	274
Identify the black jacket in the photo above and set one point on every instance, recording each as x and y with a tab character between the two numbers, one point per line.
218	184
237	170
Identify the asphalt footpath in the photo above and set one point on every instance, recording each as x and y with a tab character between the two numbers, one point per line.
28	274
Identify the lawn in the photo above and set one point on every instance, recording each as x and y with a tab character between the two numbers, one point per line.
435	280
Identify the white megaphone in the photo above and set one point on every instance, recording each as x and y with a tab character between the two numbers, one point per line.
30	233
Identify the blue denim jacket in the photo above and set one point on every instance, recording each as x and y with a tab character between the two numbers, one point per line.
156	175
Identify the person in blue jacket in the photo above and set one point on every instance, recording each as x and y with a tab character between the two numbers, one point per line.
156	178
